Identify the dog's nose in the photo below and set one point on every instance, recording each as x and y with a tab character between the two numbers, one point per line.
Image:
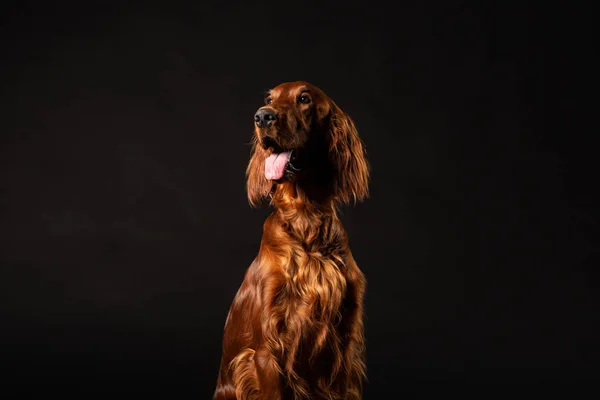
264	117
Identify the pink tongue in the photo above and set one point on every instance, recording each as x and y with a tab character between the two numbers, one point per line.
275	165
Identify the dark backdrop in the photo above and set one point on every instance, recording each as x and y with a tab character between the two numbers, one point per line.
124	225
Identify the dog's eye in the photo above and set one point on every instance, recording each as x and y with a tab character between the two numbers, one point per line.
304	99
268	100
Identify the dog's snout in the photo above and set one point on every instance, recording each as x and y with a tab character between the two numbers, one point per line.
264	117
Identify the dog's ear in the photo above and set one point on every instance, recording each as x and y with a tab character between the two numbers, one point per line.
257	186
348	156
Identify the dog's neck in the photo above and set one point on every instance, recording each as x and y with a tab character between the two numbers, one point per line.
315	224
289	198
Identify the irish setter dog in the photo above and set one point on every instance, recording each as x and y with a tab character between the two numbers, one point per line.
295	327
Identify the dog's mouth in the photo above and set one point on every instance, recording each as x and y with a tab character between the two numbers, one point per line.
280	164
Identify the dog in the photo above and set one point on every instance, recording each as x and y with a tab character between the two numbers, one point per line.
295	326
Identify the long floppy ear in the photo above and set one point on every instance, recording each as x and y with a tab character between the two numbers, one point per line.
348	155
257	185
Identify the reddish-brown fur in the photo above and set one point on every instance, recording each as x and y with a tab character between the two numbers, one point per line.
295	327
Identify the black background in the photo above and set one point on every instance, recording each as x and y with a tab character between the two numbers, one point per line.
124	225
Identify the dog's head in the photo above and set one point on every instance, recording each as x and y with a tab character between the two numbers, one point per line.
303	137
